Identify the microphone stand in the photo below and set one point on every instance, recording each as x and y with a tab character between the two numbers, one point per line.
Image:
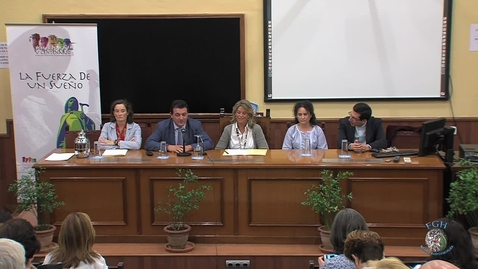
184	153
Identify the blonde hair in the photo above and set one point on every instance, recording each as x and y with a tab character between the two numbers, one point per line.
12	254
75	241
249	109
391	263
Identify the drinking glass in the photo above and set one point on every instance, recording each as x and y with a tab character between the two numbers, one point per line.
163	151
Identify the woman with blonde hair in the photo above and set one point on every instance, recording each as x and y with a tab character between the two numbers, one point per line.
242	133
75	243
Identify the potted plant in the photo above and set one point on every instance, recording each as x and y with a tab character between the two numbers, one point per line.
326	200
34	195
181	200
463	197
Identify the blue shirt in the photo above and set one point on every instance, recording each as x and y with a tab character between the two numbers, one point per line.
295	138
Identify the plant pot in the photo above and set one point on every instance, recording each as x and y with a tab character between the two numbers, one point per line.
45	236
177	239
325	238
474	237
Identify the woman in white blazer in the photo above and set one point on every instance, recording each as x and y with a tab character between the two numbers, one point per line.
121	131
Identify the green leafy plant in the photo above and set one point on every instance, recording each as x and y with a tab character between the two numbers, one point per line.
32	193
182	199
326	199
463	196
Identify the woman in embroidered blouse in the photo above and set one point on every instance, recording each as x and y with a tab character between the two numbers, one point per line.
121	131
242	133
305	126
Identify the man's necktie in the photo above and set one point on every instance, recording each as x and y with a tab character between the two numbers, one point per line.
179	137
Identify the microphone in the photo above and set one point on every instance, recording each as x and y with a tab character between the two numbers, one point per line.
184	153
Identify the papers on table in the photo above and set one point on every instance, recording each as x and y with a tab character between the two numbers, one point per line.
59	156
115	152
245	152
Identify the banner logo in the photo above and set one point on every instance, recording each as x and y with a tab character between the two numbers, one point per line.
51	45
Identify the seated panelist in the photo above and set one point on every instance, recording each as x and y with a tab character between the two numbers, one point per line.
305	126
361	130
121	131
179	127
242	133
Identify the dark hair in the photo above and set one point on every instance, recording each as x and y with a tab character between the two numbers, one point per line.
364	110
346	221
127	105
462	254
307	105
365	245
178	104
21	231
4	216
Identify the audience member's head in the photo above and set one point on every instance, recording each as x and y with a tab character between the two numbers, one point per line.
22	231
459	247
307	108
12	254
391	263
438	264
346	221
75	241
4	216
364	248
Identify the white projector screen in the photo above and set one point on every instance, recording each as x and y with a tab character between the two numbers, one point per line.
356	49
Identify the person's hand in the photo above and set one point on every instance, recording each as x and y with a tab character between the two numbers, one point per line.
105	141
321	261
175	148
188	148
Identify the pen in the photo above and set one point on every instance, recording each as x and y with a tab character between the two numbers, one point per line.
226	151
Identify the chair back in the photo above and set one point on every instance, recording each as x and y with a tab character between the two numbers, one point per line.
70	137
403	137
118	266
264	122
50	266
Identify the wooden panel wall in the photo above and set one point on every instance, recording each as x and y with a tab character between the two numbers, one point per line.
466	128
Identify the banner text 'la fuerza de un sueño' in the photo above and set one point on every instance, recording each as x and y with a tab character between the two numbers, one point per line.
54	81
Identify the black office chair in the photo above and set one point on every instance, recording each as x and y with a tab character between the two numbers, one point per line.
312	265
119	266
50	266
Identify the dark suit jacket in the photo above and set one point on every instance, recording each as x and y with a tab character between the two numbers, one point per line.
165	132
374	135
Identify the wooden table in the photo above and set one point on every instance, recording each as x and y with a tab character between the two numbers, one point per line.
255	199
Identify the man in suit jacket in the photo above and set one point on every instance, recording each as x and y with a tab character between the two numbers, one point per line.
171	131
362	131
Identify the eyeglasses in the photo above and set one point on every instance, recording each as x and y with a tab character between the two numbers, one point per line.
352	117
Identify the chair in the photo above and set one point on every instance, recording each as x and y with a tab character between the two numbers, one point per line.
264	122
49	266
403	137
312	265
70	137
119	266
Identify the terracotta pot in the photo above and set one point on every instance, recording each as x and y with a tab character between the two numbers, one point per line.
474	237
45	236
325	238
177	239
